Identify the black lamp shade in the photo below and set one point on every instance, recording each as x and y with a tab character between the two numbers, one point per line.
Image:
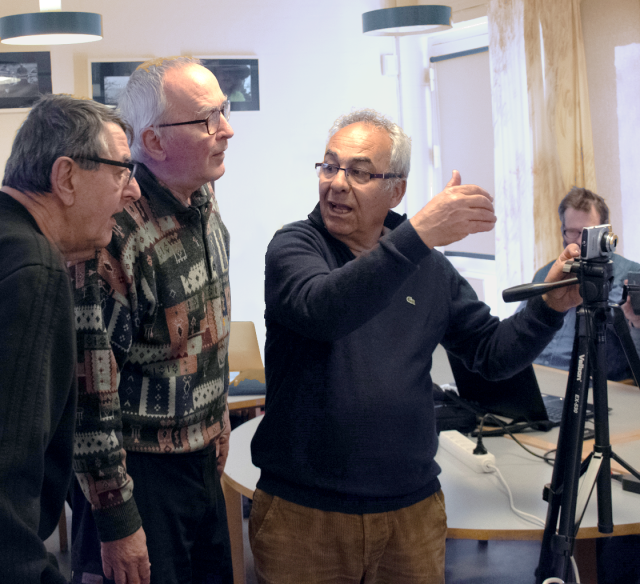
50	23
405	20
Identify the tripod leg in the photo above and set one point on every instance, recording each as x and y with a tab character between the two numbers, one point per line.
557	542
625	465
602	445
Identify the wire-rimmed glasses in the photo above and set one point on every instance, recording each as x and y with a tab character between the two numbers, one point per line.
362	177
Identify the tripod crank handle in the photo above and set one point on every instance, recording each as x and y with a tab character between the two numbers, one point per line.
524	291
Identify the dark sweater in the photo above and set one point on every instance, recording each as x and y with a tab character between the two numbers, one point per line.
37	394
349	423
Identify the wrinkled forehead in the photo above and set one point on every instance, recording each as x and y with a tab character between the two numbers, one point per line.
115	142
360	141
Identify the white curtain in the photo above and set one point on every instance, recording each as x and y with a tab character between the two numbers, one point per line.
542	129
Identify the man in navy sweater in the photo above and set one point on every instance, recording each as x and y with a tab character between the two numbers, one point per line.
357	299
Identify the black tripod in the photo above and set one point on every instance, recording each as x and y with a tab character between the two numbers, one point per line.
588	362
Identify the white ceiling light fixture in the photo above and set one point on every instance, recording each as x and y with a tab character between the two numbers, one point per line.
50	26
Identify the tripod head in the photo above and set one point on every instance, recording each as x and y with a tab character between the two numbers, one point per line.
594	270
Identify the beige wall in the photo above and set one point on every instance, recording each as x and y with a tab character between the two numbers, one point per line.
607	25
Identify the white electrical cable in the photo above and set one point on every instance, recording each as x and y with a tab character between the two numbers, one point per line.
532	519
575	570
525	516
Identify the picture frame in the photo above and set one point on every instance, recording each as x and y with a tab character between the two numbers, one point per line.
24	77
108	78
238	78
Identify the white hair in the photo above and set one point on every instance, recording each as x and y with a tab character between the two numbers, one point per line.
143	102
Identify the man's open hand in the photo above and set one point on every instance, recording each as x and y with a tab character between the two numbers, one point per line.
456	212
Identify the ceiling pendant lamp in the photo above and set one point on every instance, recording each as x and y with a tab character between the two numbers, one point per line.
406	20
50	26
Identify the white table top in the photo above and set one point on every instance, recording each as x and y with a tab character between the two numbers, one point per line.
477	504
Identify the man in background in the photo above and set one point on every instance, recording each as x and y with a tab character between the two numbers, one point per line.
582	208
153	333
68	173
357	300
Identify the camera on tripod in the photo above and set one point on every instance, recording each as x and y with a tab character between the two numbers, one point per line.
597	242
588	368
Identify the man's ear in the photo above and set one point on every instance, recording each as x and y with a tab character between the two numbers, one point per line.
63	174
153	144
399	189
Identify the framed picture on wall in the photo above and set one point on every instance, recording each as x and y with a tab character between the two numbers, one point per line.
238	78
108	78
24	77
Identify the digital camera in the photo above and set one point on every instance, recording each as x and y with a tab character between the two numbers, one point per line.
597	242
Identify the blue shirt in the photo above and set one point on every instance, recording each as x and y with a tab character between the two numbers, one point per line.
557	353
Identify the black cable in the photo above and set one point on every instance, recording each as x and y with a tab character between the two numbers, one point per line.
504	429
508	431
480	448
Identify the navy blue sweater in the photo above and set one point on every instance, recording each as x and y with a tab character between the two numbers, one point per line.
349	423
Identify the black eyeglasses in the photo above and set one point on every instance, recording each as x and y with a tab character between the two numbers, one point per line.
212	121
572	233
362	177
132	166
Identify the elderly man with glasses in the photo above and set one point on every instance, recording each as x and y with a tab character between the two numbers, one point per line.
153	319
357	299
68	174
578	209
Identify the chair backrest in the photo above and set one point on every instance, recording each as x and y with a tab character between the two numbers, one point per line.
244	349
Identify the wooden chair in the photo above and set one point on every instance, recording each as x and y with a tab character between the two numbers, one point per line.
244	357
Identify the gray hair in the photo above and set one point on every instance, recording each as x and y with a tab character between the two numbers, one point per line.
582	199
57	125
143	102
400	162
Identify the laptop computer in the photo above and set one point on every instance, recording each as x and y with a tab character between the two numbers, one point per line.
517	398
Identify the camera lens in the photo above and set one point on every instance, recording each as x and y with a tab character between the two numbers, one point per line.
608	242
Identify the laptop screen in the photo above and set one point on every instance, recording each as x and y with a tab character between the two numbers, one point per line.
517	398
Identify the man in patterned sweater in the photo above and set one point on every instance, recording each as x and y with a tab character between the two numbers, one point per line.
153	319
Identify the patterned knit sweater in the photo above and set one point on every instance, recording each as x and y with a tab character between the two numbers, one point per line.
152	317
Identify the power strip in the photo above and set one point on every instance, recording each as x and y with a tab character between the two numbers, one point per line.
462	448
